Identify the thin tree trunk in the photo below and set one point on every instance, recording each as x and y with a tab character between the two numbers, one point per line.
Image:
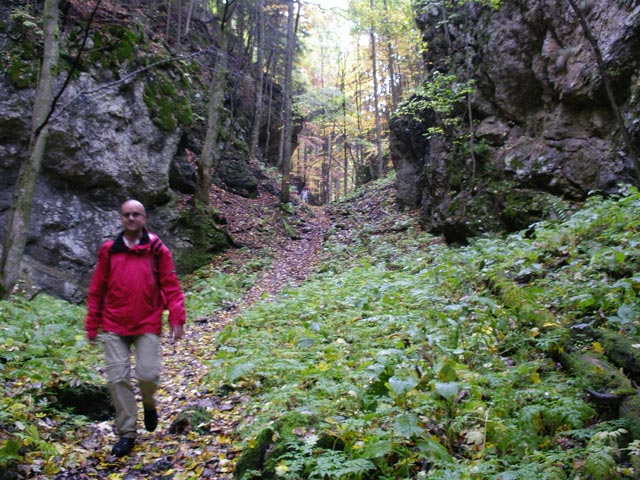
305	160
257	119
16	228
329	167
343	86
626	136
283	133
358	100
267	139
288	114
379	167
187	26
179	35
166	33
214	113
445	26
325	179
216	103
391	62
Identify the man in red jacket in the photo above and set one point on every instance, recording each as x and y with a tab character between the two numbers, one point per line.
134	281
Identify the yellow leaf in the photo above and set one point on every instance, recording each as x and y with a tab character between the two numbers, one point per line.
535	377
324	366
597	347
180	475
281	470
224	439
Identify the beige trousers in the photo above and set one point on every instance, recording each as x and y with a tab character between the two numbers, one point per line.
117	355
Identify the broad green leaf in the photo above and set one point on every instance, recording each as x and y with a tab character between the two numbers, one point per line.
401	385
449	390
433	450
447	372
407	425
377	449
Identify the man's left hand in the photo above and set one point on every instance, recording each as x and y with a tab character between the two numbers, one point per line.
177	332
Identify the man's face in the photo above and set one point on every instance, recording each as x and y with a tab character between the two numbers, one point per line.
133	217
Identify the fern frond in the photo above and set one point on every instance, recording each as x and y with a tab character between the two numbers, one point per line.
600	465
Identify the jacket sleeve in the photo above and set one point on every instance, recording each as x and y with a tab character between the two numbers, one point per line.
170	287
96	292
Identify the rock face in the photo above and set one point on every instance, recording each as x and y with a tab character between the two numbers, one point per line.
542	120
134	139
100	152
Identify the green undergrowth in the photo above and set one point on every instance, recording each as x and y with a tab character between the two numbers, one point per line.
43	349
210	290
404	358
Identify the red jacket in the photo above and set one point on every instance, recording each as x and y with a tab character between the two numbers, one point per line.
131	287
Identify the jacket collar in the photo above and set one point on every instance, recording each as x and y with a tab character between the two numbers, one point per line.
119	246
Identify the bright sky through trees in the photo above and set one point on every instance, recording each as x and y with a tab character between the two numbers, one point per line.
336	12
345	83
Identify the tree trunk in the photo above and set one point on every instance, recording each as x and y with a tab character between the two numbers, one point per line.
343	87
358	95
305	156
16	227
379	166
179	34
395	97
267	138
187	26
168	26
329	167
214	111
288	115
214	114
257	119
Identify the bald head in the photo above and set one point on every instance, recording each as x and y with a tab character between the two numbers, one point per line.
133	205
133	217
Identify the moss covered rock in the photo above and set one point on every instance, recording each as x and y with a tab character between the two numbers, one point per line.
206	236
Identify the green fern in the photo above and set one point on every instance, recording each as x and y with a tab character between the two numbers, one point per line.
560	208
332	464
600	465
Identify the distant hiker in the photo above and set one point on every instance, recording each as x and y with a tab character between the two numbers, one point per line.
304	195
134	281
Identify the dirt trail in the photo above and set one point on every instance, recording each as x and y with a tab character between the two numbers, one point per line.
175	450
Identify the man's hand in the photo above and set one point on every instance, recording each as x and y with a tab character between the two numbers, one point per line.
177	332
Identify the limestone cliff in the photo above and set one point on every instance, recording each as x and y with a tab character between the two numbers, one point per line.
129	124
542	123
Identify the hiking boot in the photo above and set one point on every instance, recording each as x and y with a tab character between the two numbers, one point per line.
150	419
123	446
